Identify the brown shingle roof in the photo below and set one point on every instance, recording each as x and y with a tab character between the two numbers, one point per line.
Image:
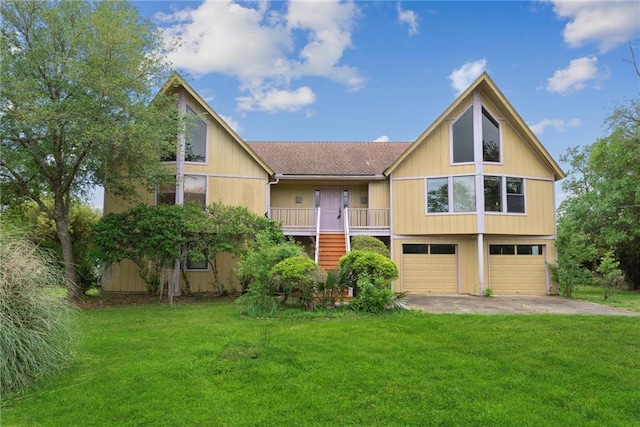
328	158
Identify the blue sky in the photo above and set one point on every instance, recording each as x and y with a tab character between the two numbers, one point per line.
362	71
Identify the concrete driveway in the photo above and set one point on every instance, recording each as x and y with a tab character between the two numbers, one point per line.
512	305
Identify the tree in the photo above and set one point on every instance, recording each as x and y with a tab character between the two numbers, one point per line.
76	107
604	192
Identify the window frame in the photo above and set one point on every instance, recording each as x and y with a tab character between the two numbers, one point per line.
451	138
175	192
190	110
504	208
492	117
451	195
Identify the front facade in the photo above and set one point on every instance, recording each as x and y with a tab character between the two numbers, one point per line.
469	206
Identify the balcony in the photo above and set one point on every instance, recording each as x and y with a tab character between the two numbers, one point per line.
303	222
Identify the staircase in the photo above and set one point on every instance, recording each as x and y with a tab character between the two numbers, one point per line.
331	249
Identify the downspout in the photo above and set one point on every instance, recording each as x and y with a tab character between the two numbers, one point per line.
268	196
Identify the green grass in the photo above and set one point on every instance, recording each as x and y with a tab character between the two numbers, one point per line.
629	300
203	364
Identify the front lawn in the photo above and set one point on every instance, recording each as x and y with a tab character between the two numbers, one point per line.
203	364
629	300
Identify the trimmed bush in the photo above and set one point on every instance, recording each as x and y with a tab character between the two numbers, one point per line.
373	297
37	326
361	264
369	243
299	277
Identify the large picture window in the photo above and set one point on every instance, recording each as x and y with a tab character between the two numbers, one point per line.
196	138
462	138
497	189
490	138
195	191
451	194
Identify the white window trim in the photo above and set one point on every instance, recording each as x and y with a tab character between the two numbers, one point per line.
500	122
503	195
202	117
478	111
450	201
455	119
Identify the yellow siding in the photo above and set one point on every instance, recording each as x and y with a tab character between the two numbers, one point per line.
540	216
238	191
379	195
356	193
409	213
283	195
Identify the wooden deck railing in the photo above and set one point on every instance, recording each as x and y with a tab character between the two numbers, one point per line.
362	218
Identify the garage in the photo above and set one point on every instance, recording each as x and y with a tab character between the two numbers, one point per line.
429	268
517	269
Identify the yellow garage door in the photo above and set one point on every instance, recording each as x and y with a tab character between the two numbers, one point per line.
517	269
429	268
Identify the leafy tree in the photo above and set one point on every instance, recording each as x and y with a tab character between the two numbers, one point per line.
75	105
152	237
228	229
604	193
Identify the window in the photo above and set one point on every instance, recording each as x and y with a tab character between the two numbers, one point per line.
316	198
463	138
502	249
515	249
490	138
414	248
345	198
442	249
464	194
196	139
494	195
515	195
195	190
197	265
437	195
424	249
461	198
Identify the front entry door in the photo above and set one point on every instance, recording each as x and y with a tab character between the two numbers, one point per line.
331	209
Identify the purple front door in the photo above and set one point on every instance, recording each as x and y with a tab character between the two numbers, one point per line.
331	209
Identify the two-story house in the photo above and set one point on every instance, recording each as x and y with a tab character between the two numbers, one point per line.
468	205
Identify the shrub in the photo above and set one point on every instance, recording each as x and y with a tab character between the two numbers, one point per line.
299	277
361	264
332	289
37	327
569	275
373	297
370	244
610	274
254	268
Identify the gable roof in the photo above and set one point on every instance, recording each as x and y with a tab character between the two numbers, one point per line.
491	91
329	158
176	81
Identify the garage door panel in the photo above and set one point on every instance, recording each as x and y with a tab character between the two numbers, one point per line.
517	274
423	273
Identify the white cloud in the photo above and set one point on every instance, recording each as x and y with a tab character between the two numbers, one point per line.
261	46
232	122
277	99
574	77
408	17
382	138
607	24
462	77
559	125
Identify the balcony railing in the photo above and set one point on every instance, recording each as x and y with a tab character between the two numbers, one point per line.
306	219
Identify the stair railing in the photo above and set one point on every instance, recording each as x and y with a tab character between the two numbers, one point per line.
347	240
317	235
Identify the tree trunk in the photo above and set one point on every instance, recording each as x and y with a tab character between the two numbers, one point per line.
62	229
